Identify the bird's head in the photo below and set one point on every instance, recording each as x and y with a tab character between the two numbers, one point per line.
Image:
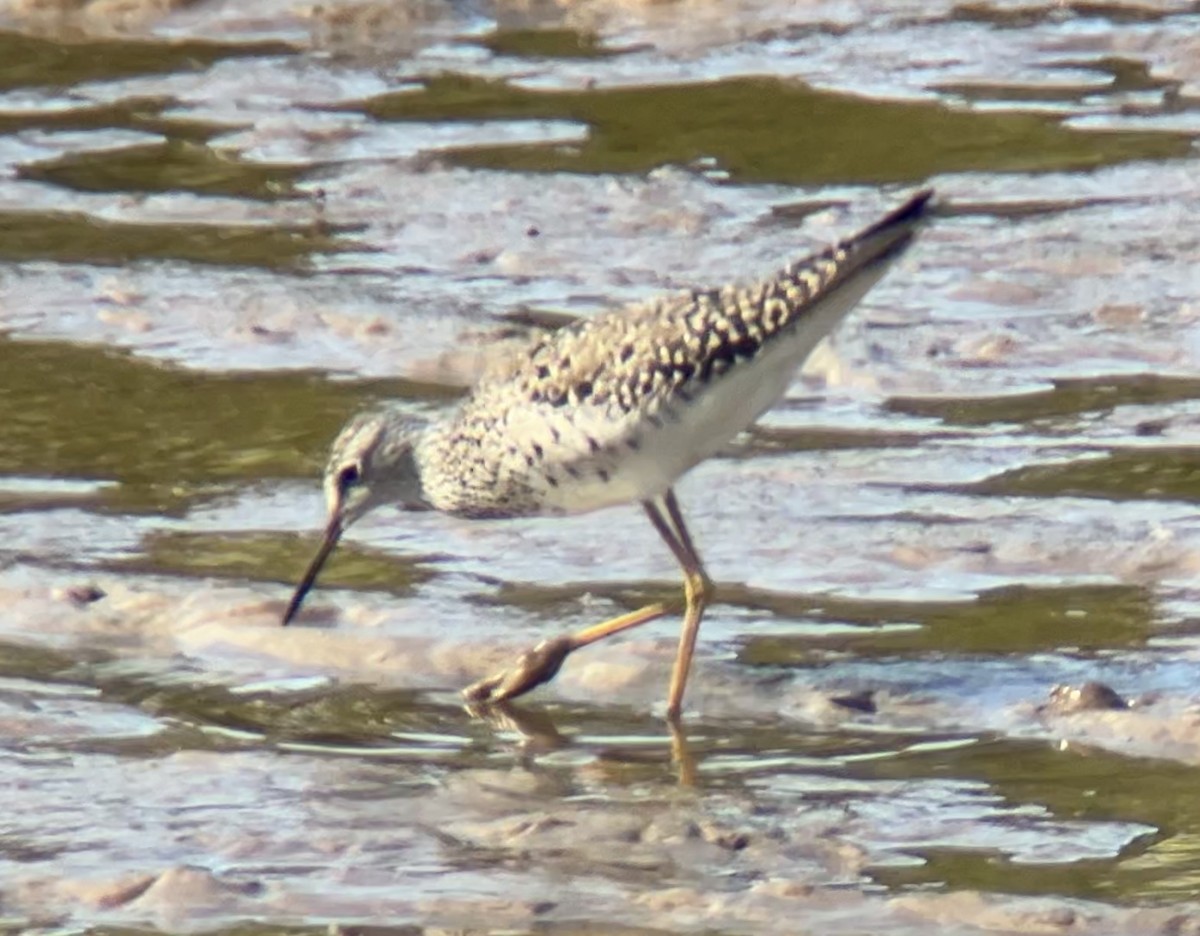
371	464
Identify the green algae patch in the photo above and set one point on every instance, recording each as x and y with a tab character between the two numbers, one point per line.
167	435
74	237
1063	399
1151	473
1010	620
169	166
28	61
1074	783
273	557
547	44
766	130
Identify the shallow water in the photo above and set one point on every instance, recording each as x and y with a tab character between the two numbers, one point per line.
222	231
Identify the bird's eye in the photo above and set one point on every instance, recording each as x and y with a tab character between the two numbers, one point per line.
349	476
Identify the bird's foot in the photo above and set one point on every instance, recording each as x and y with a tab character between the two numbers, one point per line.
533	667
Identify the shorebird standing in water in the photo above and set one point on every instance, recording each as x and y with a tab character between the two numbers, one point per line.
609	410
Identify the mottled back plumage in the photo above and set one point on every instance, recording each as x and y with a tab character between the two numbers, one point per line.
614	408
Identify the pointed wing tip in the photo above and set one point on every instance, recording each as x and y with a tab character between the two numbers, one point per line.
911	211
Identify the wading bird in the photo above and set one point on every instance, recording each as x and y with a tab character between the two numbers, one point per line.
609	410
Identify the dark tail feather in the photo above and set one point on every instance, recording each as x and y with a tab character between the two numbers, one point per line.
893	231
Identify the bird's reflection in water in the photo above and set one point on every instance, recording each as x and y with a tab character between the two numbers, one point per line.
538	735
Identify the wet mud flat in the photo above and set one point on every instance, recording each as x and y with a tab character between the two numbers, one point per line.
949	680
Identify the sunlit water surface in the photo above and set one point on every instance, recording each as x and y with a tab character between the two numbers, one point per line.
223	231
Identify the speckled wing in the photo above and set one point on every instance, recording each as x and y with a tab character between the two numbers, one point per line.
616	407
627	359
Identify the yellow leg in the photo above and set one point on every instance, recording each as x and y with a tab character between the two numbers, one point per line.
696	589
695	592
681	755
652	612
542	663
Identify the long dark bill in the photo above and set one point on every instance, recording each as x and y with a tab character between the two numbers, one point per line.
333	533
